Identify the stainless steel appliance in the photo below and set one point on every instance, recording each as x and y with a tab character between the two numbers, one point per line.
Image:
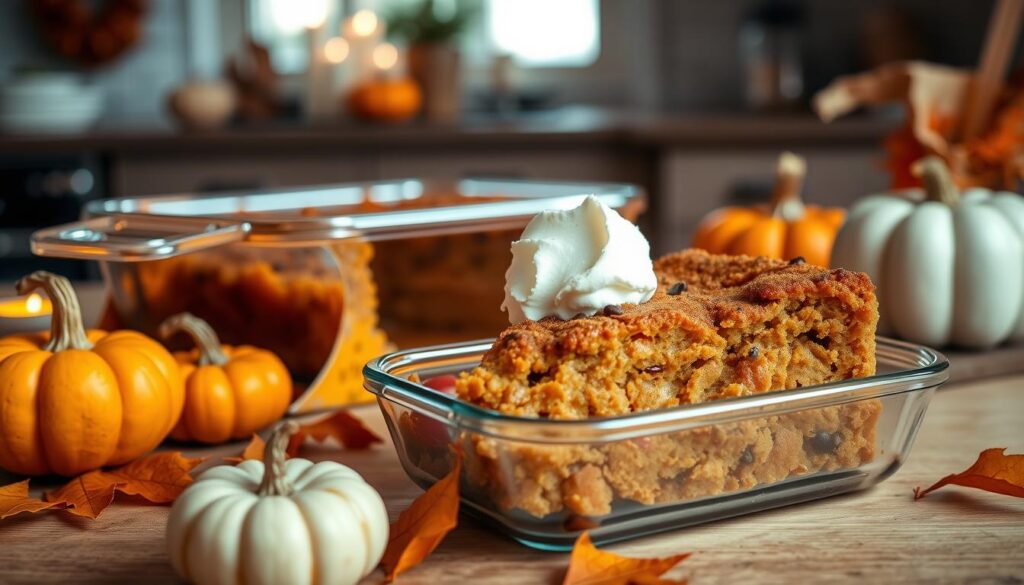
40	191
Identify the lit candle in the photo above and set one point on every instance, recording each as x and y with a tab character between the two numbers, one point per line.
336	50
385	61
363	24
318	77
336	53
363	30
25	314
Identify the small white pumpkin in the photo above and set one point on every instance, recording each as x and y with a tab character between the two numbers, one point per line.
277	521
949	267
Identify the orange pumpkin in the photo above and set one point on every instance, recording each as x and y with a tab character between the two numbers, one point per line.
386	100
72	401
230	392
784	229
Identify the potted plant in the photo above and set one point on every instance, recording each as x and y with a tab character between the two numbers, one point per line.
431	28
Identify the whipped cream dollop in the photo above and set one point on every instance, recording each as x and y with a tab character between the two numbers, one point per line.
577	261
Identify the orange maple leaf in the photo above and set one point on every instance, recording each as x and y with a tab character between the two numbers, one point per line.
424	524
158	478
589	565
14	499
86	495
254	450
345	428
994	471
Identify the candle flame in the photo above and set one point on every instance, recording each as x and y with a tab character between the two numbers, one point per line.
364	22
385	56
336	50
34	303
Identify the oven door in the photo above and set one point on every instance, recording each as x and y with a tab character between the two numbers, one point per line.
40	191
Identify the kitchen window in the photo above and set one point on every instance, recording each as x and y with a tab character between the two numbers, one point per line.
542	33
535	33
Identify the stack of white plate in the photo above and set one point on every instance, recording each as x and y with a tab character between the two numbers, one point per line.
49	103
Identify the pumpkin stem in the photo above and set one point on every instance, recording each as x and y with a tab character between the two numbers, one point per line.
789	181
66	328
274	456
210	352
937	181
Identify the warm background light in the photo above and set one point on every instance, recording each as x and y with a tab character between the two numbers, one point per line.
385	56
336	50
34	303
364	22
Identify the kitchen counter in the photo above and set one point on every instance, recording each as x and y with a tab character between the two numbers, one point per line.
881	535
568	125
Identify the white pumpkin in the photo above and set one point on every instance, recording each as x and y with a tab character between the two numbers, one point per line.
949	266
277	521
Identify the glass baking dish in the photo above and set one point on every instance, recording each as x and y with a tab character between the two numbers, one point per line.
327	277
542	482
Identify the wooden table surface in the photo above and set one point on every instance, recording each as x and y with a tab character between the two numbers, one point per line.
880	535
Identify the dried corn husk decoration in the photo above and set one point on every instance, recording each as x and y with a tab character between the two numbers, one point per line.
935	97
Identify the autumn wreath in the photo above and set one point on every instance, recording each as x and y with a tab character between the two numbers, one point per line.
90	34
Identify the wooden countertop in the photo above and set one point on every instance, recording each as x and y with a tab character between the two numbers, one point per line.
955	535
578	125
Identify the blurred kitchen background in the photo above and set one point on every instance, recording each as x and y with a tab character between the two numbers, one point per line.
691	99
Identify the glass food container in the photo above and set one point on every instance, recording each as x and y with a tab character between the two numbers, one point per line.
326	277
542	482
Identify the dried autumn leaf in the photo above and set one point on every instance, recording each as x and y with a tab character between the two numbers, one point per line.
589	565
254	450
158	478
424	524
345	428
14	499
994	471
86	495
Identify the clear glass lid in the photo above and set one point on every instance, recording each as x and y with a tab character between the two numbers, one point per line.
148	228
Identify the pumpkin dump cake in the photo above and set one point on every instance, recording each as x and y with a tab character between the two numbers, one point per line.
717	327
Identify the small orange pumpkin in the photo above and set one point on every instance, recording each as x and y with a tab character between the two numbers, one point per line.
72	401
230	392
784	229
386	100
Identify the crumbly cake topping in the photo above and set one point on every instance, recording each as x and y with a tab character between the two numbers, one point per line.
722	291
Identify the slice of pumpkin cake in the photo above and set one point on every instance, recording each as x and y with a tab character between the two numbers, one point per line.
718	326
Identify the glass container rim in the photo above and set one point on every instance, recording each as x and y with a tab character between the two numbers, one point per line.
924	368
